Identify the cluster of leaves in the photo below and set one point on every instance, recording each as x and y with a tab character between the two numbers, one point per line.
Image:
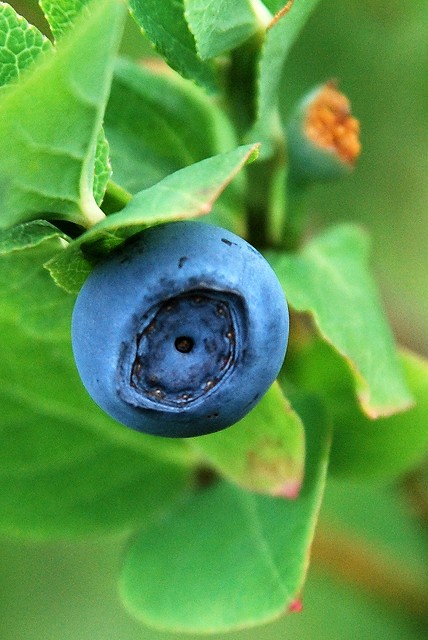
68	470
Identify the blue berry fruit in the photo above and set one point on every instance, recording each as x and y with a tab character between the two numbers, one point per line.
181	331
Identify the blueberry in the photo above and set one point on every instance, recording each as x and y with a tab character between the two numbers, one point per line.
181	331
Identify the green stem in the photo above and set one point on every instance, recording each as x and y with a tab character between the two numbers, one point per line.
259	192
361	564
240	84
415	487
116	198
296	210
241	96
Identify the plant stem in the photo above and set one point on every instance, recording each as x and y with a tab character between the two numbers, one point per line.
415	487
369	568
295	218
264	198
258	194
116	198
241	84
91	212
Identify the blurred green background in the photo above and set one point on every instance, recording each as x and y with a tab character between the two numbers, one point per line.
378	50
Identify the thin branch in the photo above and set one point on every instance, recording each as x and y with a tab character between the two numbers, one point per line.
362	564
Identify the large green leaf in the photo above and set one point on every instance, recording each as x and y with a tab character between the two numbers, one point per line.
379	449
264	452
20	44
28	299
66	469
61	15
279	39
53	116
157	123
389	446
330	280
185	194
220	25
227	558
75	594
165	25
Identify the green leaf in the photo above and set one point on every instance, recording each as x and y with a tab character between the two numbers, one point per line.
330	280
28	234
232	559
28	299
279	39
53	116
275	6
185	194
157	123
20	44
165	25
102	167
368	449
66	469
220	25
387	447
264	451
61	14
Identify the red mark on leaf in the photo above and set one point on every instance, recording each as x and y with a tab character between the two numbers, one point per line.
296	606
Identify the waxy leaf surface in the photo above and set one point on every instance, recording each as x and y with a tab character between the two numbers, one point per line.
263	452
53	116
387	447
28	234
61	15
330	280
66	469
157	123
219	25
165	25
363	448
20	44
227	558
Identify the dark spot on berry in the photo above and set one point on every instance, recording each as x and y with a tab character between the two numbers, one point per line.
182	261
228	242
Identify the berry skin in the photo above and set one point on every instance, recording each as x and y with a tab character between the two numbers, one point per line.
181	331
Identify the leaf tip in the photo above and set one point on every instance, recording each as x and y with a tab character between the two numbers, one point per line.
290	490
254	152
296	606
